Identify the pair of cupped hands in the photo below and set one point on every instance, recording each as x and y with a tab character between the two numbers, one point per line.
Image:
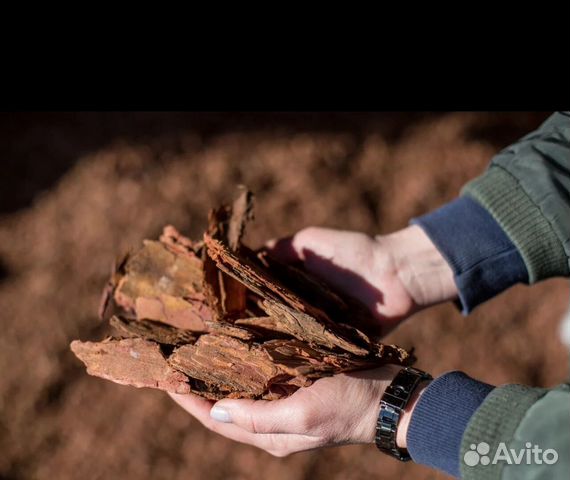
395	276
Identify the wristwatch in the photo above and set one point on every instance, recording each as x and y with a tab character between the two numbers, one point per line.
394	400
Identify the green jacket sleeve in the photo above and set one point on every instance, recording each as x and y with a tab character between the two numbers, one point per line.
527	190
526	432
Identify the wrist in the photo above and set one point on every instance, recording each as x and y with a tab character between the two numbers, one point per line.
481	255
396	407
406	415
420	267
381	379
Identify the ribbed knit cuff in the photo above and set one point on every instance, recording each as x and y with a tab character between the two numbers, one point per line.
501	194
483	259
440	419
495	421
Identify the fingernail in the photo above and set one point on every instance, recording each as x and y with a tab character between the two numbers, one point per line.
220	414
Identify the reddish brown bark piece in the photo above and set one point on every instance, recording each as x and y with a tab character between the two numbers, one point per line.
228	364
227	224
222	328
298	359
220	320
150	330
296	317
177	242
242	213
299	281
266	327
305	327
132	361
163	282
316	292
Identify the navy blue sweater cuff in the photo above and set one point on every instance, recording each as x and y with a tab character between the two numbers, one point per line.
440	419
483	259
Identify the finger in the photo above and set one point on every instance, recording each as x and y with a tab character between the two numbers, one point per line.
200	408
196	406
276	444
257	416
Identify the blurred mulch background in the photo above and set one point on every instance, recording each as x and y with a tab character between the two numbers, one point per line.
76	189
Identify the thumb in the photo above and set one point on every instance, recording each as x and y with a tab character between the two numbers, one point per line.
255	416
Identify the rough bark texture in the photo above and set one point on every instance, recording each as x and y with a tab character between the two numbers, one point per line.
214	318
131	361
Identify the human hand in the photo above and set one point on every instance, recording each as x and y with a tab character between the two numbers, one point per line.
393	275
336	410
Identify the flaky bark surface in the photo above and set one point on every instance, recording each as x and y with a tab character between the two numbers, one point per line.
131	361
214	318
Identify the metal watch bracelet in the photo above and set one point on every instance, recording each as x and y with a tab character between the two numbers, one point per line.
394	400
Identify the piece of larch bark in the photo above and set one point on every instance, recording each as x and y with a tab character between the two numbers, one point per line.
227	225
224	328
298	359
151	330
339	308
305	327
216	318
132	361
164	283
228	364
266	327
296	317
242	213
